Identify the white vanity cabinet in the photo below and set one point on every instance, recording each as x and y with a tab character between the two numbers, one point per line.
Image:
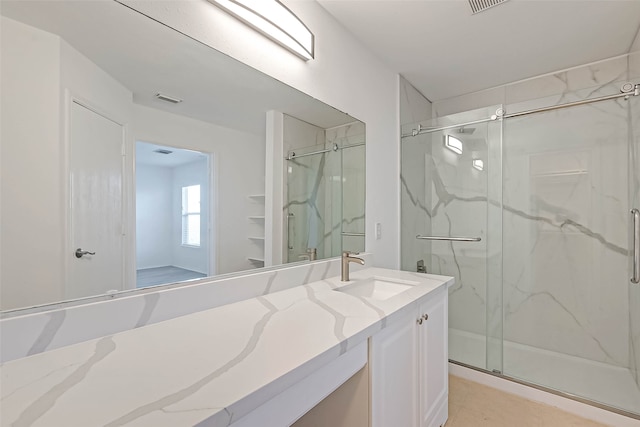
408	367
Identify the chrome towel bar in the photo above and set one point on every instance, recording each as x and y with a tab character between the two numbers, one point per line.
450	239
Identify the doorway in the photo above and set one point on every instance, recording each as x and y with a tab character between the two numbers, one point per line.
173	194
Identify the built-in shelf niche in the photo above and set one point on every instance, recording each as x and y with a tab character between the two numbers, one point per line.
256	231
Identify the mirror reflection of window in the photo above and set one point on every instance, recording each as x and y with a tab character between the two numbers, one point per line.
191	215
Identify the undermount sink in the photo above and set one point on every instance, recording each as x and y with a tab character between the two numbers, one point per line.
377	288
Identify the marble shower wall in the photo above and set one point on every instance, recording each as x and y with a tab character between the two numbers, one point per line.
565	214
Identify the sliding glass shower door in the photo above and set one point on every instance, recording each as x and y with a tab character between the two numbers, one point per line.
547	295
570	182
325	189
451	222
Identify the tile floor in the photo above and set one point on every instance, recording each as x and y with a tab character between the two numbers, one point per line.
476	405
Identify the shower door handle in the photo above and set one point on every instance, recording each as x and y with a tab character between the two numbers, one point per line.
635	213
449	239
289	245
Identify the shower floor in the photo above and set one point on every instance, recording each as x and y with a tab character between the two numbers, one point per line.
611	385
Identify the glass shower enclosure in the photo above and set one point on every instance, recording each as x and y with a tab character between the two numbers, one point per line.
529	207
325	204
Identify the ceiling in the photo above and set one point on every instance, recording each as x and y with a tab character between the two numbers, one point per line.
444	50
148	57
146	154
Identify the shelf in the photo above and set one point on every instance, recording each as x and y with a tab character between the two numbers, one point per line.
256	196
257	218
256	238
255	260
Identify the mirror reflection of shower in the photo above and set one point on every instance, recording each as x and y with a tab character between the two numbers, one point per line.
324	203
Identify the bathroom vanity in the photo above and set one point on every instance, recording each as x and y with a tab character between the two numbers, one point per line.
265	361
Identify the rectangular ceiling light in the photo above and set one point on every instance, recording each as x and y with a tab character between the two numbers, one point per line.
453	144
274	20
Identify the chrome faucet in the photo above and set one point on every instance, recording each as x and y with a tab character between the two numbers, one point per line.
346	259
311	254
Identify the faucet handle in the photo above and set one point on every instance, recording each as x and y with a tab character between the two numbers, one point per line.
349	253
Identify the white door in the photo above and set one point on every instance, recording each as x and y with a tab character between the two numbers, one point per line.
96	216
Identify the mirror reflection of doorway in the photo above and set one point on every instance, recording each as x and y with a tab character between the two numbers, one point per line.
172	214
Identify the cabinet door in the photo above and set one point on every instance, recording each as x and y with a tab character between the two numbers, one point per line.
433	361
393	370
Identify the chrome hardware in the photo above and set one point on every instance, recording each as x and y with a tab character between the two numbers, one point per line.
80	253
348	257
420	321
425	316
311	254
627	90
451	239
635	278
289	216
420	267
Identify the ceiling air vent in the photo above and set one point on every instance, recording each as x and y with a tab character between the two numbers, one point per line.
167	98
162	151
478	6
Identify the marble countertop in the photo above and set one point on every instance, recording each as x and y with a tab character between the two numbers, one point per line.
214	366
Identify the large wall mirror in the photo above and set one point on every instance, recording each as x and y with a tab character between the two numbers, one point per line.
134	156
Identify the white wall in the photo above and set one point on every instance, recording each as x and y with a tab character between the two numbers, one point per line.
154	203
190	257
232	184
38	69
30	156
344	74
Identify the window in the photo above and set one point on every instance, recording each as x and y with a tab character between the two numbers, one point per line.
191	215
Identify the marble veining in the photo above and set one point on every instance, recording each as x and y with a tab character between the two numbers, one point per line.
49	331
35	333
272	279
182	394
229	363
150	304
45	402
551	205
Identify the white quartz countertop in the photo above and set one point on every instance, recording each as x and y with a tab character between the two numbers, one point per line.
211	367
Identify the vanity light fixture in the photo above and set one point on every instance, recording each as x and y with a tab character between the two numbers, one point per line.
274	20
453	144
478	164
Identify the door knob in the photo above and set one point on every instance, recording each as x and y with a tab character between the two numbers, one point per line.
80	253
